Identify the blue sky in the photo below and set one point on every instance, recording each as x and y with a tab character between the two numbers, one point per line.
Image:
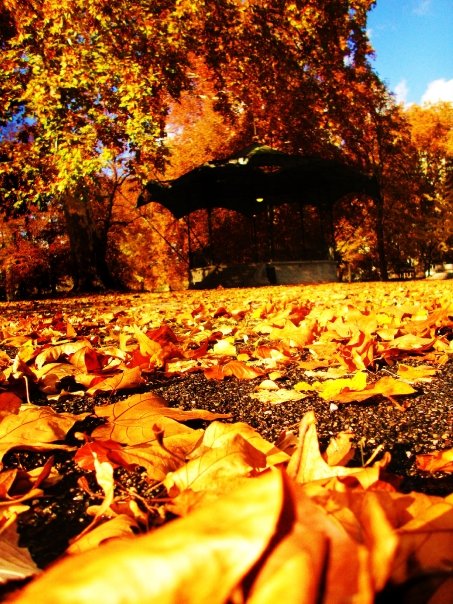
413	40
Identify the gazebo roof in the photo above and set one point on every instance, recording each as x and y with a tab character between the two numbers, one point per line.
256	177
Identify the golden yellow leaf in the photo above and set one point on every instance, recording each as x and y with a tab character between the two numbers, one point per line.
426	542
125	380
438	461
386	386
422	373
156	460
306	463
331	389
35	428
198	559
137	418
120	526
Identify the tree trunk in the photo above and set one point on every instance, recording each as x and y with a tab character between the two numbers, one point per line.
89	269
380	238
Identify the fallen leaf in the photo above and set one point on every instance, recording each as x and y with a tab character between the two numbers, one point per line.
438	461
422	373
126	380
386	386
156	460
136	419
237	369
35	428
9	403
198	559
277	397
224	348
339	450
119	527
15	562
306	463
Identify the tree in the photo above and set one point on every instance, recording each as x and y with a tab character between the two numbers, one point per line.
95	79
432	135
92	83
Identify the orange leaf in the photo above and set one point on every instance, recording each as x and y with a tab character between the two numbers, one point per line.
101	450
136	419
120	526
9	403
149	348
422	373
386	386
438	461
307	464
156	460
34	427
197	559
126	380
237	369
226	451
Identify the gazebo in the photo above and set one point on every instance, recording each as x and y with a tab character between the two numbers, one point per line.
259	182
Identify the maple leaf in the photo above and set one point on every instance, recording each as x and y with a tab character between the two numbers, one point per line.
438	461
15	562
9	403
237	369
36	428
307	464
225	451
198	558
138	418
126	380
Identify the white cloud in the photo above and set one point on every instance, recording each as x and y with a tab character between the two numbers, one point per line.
422	7
401	91
438	90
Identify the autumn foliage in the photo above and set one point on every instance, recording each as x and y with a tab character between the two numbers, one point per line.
100	97
257	521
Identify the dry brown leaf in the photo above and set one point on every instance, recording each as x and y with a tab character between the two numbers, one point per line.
35	428
198	559
158	461
438	461
119	527
426	542
307	464
139	417
9	403
339	450
15	562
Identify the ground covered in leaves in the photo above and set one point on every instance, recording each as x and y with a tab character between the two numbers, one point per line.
218	444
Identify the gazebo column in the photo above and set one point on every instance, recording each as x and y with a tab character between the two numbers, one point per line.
325	213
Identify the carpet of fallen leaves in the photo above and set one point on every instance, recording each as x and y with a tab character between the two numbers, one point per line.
251	521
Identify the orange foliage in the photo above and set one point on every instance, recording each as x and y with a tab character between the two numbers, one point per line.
266	511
